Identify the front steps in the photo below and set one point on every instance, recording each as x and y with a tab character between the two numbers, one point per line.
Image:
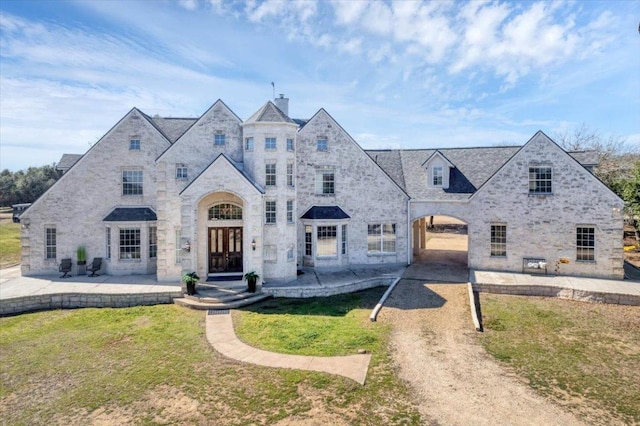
229	295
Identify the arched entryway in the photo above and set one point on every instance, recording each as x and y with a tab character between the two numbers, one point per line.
440	249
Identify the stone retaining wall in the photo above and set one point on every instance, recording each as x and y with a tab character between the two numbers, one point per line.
305	292
46	302
559	292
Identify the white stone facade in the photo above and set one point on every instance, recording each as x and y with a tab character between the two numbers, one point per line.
270	194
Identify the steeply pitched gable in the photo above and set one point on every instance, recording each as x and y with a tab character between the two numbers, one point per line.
269	113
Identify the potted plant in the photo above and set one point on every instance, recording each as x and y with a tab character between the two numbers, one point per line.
191	279
81	253
252	278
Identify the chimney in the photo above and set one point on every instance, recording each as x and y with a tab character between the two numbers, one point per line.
283	104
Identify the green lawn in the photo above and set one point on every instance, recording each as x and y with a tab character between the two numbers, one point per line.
153	365
9	243
584	356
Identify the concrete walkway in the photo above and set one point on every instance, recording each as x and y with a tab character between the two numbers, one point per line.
221	335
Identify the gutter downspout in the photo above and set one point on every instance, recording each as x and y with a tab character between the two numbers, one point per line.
409	241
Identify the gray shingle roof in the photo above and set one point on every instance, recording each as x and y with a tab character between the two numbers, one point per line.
131	214
67	161
325	213
173	128
473	167
271	113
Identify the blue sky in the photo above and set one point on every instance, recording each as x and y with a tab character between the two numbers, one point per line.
401	74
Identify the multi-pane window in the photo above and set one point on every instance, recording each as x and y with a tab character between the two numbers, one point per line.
540	180
134	144
381	238
327	241
325	182
225	211
181	172
308	240
107	236
177	246
248	144
270	174
289	211
321	144
498	240
153	242
270	143
585	243
219	139
344	239
436	176
50	243
270	212
132	182
289	144
271	253
129	243
290	181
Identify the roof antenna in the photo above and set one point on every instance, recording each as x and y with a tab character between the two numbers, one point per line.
274	89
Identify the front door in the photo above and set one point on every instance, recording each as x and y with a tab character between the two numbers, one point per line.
225	249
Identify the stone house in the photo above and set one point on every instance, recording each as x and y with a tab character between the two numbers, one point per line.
222	196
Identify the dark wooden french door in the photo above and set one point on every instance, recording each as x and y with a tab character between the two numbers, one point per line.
225	249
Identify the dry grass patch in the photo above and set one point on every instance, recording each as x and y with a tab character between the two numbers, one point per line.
584	356
9	241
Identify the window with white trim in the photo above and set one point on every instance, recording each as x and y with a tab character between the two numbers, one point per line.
219	139
129	243
308	240
270	144
325	182
225	211
585	244
181	171
270	212
322	145
248	144
270	253
177	247
436	175
134	144
327	241
289	211
290	256
381	238
132	182
290	181
107	236
540	180
498	240
290	145
344	239
153	242
270	175
51	243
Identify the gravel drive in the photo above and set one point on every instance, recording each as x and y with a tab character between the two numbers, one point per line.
455	380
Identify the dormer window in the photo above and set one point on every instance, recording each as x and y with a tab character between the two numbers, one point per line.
436	176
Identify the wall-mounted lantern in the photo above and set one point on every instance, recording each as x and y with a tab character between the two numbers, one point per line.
253	244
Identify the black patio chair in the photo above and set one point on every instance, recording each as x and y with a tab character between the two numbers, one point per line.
95	266
65	267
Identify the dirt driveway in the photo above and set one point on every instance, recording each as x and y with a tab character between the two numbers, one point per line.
456	382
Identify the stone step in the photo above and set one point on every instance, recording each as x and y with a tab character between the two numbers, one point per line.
218	296
194	304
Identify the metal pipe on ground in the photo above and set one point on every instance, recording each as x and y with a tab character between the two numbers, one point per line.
376	310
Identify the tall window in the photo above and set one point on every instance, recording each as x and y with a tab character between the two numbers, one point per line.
177	247
134	144
289	144
219	139
270	174
51	243
225	211
381	238
107	236
290	181
290	253
181	171
498	240
540	180
344	239
132	182
129	244
585	243
308	240
270	253
327	241
321	144
289	211
248	144
153	242
270	143
437	176
325	182
270	212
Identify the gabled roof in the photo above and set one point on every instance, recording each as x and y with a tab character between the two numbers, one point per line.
437	153
239	170
173	128
131	214
325	213
67	161
269	113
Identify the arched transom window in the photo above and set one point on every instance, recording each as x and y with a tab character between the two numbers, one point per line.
225	211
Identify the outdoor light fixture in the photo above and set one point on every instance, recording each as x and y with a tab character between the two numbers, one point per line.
253	244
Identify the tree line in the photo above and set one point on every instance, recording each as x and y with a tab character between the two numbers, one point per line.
25	186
